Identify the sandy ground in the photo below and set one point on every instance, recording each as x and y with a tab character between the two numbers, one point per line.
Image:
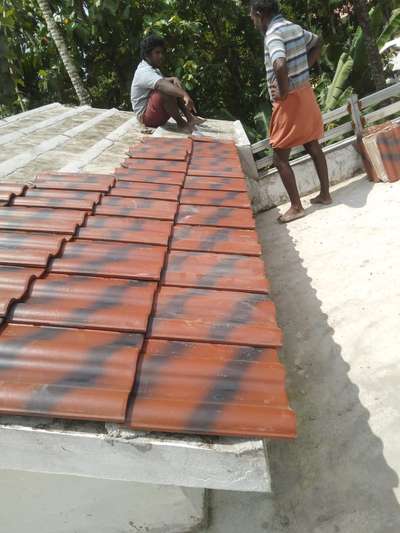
335	278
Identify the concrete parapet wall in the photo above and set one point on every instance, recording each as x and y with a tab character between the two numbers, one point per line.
267	192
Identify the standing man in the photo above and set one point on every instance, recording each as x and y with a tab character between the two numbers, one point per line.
290	52
156	99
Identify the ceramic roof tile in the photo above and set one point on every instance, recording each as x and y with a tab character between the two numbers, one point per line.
110	259
66	373
216	198
55	203
219	240
16	188
137	208
212	150
211	389
14	284
123	229
101	183
8	190
215	184
90	177
216	271
227	171
215	316
86	302
150	176
165	143
229	217
156	164
63	194
73	328
388	144
29	249
149	151
228	167
157	191
74	185
39	219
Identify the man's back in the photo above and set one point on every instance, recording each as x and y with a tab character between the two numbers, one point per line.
285	39
144	82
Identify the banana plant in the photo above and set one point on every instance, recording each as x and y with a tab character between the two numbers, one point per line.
353	61
391	30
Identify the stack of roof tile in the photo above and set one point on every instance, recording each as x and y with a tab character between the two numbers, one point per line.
141	298
379	147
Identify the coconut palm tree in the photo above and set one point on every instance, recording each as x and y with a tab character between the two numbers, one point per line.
82	93
361	10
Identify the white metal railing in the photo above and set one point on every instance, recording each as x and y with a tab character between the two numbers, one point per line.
359	117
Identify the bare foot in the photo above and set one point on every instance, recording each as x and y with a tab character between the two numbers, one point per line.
324	200
185	127
294	213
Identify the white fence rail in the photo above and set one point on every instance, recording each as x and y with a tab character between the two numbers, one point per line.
359	113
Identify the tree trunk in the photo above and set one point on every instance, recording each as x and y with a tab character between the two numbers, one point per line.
81	92
374	57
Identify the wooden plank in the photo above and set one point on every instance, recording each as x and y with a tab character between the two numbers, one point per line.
335	114
260	146
383	113
335	132
264	162
379	96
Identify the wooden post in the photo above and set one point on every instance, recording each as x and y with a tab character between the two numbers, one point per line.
358	120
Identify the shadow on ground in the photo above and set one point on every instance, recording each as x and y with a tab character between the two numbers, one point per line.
334	478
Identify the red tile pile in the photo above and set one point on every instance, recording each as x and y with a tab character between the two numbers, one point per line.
379	147
141	298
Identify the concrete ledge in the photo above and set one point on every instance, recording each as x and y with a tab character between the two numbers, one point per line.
343	160
95	451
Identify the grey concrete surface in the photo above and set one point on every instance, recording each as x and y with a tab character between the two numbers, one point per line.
335	282
37	503
50	147
232	512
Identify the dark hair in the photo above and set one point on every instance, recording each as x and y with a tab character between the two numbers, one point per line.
149	44
265	7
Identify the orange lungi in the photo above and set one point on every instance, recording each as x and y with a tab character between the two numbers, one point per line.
296	120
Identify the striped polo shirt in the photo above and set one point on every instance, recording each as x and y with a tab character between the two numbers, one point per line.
287	40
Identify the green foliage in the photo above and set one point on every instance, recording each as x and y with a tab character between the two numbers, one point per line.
213	48
391	29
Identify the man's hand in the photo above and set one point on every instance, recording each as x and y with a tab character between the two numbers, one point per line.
189	103
176	82
275	91
276	94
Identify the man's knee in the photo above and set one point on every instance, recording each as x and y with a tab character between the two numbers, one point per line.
280	160
167	98
313	148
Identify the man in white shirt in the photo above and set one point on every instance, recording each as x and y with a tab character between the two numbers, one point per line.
155	99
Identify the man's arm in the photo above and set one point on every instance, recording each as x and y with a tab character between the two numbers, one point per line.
314	54
175	81
277	52
282	78
168	88
314	46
